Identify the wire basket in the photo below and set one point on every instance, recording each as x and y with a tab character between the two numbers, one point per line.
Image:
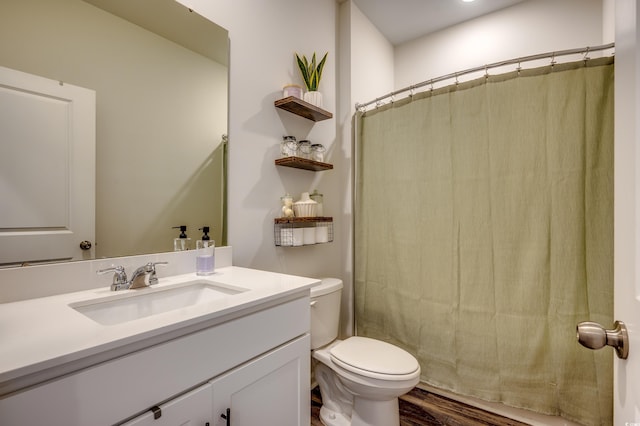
295	232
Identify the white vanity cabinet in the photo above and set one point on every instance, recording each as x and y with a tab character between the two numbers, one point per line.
254	362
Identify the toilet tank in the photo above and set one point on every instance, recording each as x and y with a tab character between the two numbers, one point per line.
325	311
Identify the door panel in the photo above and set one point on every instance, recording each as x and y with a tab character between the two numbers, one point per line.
47	168
270	390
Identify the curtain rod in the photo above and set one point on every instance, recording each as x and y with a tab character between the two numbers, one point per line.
552	55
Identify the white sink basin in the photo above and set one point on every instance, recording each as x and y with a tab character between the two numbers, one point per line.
136	304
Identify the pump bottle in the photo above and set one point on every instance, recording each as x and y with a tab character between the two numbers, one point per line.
205	257
182	242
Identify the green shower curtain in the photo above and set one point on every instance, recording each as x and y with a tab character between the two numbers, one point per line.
484	234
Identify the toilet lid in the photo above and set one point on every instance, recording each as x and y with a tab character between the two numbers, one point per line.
359	354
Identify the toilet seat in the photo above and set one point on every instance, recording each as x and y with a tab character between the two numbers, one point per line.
374	358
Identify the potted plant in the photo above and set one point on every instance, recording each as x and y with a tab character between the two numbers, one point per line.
311	74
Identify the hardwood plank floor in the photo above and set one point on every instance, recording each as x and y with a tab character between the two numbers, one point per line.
422	408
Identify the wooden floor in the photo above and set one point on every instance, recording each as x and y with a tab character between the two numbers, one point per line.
422	408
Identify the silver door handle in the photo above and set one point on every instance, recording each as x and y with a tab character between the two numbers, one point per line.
594	336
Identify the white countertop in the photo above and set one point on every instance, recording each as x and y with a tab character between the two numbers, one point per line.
45	334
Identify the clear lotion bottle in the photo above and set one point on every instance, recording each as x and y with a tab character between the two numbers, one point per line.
205	255
182	242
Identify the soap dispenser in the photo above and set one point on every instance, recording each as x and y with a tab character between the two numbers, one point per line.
205	257
182	242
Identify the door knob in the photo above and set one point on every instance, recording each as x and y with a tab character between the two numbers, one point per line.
594	336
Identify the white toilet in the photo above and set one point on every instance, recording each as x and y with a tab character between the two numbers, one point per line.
360	378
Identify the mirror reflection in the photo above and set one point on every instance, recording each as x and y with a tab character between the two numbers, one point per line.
160	76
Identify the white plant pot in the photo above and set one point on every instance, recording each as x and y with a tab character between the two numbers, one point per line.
314	98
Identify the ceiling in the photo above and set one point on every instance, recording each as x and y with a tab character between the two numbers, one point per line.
404	20
174	22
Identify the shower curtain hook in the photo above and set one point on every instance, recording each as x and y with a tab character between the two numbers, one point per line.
431	83
519	67
486	71
457	79
553	59
586	55
411	91
378	103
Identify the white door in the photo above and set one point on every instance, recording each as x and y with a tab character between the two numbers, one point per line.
626	373
47	169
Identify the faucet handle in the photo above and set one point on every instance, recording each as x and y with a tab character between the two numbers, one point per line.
119	276
151	267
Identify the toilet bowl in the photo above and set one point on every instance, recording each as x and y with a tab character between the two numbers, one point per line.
360	378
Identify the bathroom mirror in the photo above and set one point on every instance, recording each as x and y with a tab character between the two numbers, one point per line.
160	74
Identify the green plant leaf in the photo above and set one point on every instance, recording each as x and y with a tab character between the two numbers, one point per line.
310	71
304	69
319	69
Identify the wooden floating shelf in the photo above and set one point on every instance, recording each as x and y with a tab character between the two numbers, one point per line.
304	109
303	163
311	219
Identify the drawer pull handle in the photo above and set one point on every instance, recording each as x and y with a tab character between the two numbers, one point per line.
227	416
157	412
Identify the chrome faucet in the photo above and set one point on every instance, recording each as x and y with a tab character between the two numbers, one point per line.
145	275
142	277
119	277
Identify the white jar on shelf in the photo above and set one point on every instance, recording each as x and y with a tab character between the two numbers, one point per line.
317	152
304	149
292	90
289	146
317	197
306	207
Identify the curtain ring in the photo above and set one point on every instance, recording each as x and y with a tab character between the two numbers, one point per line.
585	58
